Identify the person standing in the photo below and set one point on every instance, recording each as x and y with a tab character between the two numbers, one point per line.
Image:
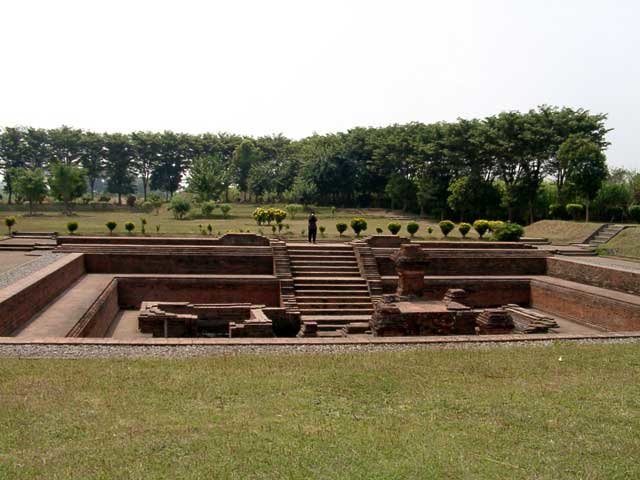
313	227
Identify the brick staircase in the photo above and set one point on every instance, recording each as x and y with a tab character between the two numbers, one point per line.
331	294
606	233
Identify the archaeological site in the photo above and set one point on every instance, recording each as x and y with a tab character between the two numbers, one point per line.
249	288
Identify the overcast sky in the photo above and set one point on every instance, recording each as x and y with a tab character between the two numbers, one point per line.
295	67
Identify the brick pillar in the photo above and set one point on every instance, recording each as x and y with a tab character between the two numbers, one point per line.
410	282
410	263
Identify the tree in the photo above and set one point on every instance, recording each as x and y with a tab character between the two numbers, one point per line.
12	156
119	165
66	145
207	178
30	185
244	157
146	148
587	167
67	183
401	191
92	158
10	222
175	153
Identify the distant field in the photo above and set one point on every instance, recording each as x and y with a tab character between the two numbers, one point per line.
561	232
626	243
556	412
91	223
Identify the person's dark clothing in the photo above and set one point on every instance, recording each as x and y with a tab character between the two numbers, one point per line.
313	229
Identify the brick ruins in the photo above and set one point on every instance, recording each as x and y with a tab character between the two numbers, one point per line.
243	285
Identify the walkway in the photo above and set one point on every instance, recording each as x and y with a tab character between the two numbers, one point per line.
64	312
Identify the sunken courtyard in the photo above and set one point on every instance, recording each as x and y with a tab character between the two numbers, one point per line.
248	286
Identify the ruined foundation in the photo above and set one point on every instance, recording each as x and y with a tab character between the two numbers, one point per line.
247	286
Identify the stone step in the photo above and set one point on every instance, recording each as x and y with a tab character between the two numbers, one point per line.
334	319
328	274
334	299
354	328
325	261
320	267
326	290
336	311
313	280
333	305
321	253
333	333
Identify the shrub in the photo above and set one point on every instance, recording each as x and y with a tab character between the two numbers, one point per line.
207	208
575	210
464	228
557	211
277	214
446	227
322	229
358	225
129	227
104	198
429	229
143	225
510	232
634	213
131	201
333	212
157	229
293	209
210	229
481	227
111	225
496	225
180	206
146	207
72	227
379	231
11	221
260	215
86	199
156	202
412	228
394	227
341	227
225	209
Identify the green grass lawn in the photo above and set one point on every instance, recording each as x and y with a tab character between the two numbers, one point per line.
498	413
93	222
561	232
626	244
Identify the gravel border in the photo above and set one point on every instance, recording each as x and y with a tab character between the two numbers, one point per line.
26	269
189	351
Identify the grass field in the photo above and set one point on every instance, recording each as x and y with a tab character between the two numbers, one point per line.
561	232
562	411
626	243
239	219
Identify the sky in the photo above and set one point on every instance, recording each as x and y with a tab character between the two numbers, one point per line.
303	66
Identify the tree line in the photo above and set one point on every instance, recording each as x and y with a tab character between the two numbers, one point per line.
511	165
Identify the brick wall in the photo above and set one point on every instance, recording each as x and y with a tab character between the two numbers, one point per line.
179	264
604	312
598	276
484	265
99	317
134	290
20	301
